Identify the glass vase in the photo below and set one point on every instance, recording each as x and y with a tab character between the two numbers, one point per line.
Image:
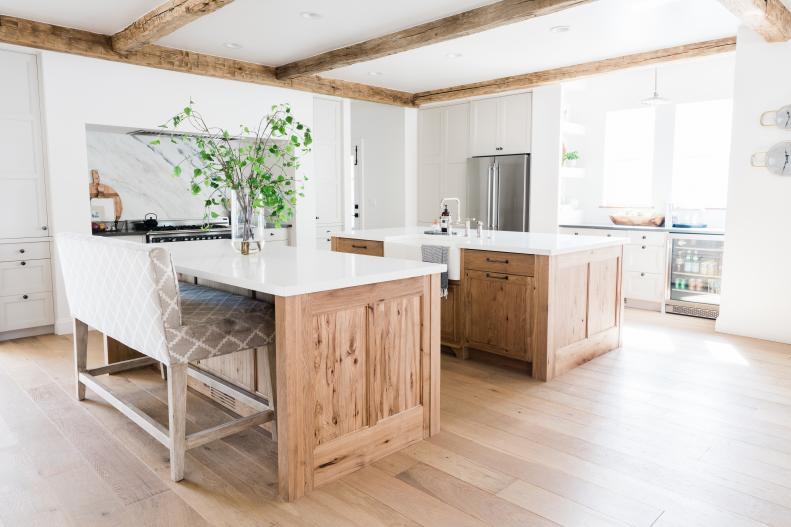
247	226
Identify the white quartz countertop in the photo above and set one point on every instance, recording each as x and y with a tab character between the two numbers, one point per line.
502	241
289	271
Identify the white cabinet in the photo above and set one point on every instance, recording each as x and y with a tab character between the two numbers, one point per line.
443	156
328	160
644	261
22	169
501	125
25	273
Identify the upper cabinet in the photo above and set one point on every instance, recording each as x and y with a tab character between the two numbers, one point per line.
501	125
328	160
443	154
22	170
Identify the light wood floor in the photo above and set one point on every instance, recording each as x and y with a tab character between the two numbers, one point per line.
681	427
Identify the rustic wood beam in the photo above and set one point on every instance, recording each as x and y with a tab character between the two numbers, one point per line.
539	78
162	21
39	35
770	18
455	26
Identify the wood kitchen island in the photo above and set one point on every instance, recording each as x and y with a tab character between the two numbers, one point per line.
357	353
552	301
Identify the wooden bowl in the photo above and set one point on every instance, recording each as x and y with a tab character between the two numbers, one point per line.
638	221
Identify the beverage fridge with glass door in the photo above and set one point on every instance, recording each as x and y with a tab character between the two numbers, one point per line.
694	274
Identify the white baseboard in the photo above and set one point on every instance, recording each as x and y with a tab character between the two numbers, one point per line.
27	332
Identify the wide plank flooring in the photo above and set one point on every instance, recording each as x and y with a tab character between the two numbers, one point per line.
681	427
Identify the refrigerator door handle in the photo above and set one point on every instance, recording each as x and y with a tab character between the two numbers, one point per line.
489	178
496	197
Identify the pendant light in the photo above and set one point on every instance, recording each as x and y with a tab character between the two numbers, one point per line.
655	99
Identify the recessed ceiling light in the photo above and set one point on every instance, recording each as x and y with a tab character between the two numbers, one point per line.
560	29
232	45
453	55
375	73
309	15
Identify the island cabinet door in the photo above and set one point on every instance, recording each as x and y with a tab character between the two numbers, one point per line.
498	308
358	379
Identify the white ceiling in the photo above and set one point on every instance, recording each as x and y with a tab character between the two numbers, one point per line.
272	32
99	16
599	30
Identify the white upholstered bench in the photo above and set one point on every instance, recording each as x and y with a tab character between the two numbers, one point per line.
130	292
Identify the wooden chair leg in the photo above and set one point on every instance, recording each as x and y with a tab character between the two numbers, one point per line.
80	336
272	365
177	418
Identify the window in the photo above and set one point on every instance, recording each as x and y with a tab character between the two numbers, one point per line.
629	158
702	154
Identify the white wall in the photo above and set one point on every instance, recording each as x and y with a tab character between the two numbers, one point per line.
388	135
587	102
756	290
78	91
545	159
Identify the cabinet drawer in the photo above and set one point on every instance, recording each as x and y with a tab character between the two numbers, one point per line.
644	286
25	276
351	245
644	258
25	311
575	231
509	263
658	239
325	231
23	251
275	234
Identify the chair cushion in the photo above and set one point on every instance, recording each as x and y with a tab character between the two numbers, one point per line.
215	322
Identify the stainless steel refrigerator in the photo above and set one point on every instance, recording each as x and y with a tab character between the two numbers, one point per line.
498	192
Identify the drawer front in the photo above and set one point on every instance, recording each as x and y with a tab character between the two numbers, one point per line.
351	245
275	234
508	263
579	231
644	258
325	244
325	231
10	252
25	276
25	311
644	286
657	239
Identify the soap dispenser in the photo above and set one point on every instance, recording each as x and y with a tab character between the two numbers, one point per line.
444	220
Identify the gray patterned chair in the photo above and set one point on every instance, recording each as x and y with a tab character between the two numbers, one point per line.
130	292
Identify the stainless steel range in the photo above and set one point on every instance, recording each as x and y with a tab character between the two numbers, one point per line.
186	231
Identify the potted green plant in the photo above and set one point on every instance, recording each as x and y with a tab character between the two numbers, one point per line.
252	172
570	158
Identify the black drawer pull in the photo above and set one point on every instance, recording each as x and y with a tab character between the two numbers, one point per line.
642	274
21	251
497	277
494	260
645	237
359	246
22	263
24	297
643	246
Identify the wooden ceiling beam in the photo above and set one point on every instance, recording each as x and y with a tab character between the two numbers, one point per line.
770	18
455	26
163	21
39	35
540	78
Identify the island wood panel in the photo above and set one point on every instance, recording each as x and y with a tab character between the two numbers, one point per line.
339	372
238	368
585	309
357	373
352	245
452	331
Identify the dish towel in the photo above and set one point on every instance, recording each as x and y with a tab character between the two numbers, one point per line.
437	254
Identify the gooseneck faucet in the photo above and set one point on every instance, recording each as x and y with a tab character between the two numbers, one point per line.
458	208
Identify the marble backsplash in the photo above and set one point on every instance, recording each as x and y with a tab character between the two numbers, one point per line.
142	174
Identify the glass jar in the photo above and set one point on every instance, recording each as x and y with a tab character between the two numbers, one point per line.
247	226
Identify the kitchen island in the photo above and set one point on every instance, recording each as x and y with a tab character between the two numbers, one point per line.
356	353
552	301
